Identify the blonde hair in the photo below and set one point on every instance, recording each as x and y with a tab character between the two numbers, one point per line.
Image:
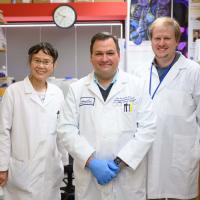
166	21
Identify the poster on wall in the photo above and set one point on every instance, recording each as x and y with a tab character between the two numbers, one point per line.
194	30
182	18
141	14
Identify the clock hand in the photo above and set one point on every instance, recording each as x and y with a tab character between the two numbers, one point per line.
62	19
61	15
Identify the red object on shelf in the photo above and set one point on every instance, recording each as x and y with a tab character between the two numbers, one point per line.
86	11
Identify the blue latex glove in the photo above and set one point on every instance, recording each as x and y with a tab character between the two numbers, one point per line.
113	166
103	170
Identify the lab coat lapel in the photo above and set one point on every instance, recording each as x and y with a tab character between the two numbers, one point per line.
36	99
92	86
49	95
172	74
28	89
118	86
47	100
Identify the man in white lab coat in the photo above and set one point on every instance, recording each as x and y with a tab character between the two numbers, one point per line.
30	163
174	86
108	116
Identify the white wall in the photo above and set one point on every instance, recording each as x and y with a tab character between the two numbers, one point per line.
139	57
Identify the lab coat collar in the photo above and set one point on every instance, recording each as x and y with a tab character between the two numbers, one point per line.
113	81
179	66
120	77
28	89
92	86
173	72
118	85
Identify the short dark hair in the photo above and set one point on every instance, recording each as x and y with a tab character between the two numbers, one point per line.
103	36
46	47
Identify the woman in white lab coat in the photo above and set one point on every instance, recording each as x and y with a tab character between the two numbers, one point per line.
174	158
30	163
97	127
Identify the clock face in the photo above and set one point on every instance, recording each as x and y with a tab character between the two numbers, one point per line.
64	16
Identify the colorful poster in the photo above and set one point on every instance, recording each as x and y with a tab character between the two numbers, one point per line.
194	29
142	14
182	18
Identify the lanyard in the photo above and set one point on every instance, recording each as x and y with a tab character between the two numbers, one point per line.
163	76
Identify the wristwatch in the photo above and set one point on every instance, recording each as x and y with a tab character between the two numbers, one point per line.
119	162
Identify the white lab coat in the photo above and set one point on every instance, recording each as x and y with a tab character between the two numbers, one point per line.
89	125
174	158
28	147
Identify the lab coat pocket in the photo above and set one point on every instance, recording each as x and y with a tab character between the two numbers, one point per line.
127	121
127	128
18	175
183	153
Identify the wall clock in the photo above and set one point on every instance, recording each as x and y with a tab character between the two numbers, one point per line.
64	16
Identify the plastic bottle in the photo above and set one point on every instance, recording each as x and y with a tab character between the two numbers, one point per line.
3	71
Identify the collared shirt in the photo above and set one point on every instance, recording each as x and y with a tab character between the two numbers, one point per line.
163	71
113	81
105	91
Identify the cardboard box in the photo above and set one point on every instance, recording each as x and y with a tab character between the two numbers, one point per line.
23	1
5	1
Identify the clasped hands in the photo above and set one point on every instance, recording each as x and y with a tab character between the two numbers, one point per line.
103	170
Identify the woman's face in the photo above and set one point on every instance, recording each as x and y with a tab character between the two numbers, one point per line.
41	66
